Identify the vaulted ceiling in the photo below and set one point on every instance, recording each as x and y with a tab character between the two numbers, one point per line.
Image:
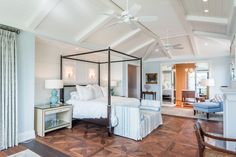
202	27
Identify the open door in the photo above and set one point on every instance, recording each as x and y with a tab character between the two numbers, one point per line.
133	81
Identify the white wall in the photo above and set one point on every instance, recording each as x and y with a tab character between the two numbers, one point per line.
48	67
219	70
26	65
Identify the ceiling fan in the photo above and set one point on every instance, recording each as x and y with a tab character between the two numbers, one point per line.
128	16
168	46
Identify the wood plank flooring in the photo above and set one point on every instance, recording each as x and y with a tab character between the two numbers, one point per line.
175	138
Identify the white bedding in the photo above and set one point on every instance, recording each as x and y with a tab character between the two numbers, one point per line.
97	108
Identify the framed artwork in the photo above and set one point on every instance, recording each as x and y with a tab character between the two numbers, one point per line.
151	78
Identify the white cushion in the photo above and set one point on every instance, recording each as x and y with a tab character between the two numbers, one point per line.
104	91
74	95
97	91
85	92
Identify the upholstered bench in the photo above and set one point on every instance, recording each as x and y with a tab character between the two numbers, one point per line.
150	120
208	107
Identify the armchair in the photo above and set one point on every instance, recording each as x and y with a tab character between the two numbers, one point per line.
206	149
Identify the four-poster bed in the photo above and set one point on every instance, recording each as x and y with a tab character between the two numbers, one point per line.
98	62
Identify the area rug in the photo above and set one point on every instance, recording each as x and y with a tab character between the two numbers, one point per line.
183	112
25	153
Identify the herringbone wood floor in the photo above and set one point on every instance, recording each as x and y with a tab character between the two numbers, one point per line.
174	139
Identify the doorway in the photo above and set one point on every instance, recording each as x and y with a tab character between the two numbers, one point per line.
133	81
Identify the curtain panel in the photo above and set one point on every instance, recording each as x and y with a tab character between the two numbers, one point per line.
8	90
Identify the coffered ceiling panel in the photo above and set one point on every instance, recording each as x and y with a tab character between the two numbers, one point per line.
216	8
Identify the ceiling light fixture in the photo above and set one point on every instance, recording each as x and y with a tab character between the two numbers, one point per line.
206	10
206	44
204	0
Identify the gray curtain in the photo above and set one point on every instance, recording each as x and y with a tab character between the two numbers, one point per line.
8	92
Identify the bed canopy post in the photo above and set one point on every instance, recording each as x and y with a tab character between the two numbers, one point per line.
61	77
109	92
99	75
141	78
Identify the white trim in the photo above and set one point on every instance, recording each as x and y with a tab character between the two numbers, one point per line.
124	38
178	6
98	24
208	34
217	20
41	14
141	46
27	135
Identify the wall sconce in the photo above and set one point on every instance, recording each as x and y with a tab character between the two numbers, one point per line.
68	72
92	74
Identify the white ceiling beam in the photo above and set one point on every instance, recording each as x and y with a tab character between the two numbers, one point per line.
208	34
149	50
152	34
232	21
178	6
216	20
43	11
125	38
98	24
174	36
118	9
141	46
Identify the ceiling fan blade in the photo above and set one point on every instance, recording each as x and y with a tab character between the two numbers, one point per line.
111	15
179	48
134	9
147	18
176	45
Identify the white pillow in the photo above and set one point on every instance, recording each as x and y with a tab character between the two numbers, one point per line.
85	92
97	91
104	91
74	95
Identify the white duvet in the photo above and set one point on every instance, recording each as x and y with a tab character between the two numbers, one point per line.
97	108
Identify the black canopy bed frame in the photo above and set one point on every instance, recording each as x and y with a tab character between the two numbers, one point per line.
107	120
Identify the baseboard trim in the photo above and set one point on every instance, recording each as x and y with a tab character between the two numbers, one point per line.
27	135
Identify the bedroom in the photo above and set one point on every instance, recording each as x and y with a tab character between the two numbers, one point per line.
51	29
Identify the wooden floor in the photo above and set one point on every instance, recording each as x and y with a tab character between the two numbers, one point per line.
175	138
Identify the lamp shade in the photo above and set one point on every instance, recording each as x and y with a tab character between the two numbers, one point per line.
53	84
208	82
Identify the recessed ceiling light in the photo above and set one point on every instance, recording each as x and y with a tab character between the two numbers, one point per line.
206	10
204	0
206	44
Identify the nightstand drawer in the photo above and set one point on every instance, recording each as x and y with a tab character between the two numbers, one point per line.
57	111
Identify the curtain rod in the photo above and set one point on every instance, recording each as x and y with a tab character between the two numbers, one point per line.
8	28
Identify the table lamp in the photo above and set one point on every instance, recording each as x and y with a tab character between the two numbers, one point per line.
54	85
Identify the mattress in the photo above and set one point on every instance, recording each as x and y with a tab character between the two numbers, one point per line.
97	108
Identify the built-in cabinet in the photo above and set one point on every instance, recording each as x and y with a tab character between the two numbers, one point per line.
230	102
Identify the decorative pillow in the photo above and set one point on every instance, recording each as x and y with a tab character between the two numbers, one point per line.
85	92
97	91
217	99
74	96
104	91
